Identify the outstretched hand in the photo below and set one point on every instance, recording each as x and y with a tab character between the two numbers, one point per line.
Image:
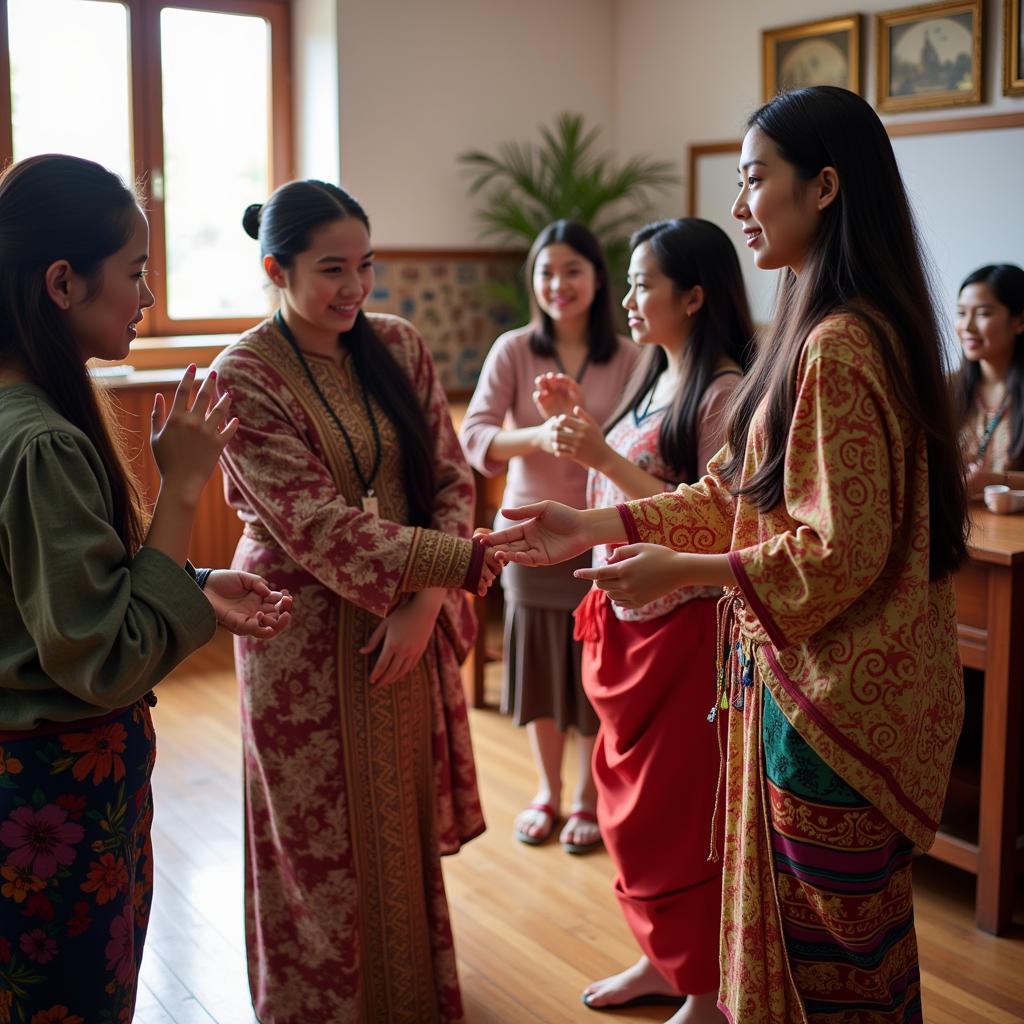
549	533
246	605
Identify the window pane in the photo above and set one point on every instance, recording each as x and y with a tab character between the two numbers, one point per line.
69	80
216	95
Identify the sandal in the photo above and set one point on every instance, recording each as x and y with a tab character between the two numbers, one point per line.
582	815
545	835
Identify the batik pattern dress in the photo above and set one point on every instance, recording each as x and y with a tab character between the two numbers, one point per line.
353	791
841	680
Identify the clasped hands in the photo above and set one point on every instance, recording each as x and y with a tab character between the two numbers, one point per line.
569	431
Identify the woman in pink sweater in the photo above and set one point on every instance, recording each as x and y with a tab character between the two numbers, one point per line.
572	331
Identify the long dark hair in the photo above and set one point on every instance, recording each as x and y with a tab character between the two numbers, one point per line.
865	259
602	340
283	226
693	252
1006	282
52	208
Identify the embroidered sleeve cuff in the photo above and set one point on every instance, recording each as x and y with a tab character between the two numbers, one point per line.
437	560
632	534
476	566
756	604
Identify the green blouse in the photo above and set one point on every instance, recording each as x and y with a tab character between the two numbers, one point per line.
84	629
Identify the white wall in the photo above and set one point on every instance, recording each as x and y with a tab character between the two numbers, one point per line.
421	82
691	72
315	89
389	92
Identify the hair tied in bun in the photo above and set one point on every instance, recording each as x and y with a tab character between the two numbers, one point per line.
251	220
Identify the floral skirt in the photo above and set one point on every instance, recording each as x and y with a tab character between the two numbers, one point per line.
76	868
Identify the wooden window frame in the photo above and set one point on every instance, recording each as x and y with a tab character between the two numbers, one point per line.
146	110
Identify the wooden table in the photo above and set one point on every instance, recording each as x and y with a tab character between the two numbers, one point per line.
990	619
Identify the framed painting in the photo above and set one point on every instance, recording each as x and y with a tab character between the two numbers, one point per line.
930	56
1013	48
812	53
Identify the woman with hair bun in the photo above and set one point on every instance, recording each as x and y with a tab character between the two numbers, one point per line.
359	772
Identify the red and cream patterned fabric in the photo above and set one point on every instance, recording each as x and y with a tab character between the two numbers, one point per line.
353	792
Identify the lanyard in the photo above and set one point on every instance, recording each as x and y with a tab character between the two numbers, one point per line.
369	499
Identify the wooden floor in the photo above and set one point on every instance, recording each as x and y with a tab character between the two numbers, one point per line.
532	926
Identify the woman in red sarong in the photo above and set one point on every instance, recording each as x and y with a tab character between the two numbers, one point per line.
649	671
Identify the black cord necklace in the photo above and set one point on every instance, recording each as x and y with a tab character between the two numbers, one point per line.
370	501
561	365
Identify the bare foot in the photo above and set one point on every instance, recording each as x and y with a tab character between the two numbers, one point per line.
580	830
642	979
701	1009
533	824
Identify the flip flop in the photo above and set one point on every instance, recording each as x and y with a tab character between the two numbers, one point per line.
582	847
651	999
539	840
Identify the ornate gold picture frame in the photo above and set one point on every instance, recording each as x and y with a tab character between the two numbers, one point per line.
929	56
1013	48
812	53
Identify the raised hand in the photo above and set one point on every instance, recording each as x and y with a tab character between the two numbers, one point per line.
246	605
555	394
187	440
549	533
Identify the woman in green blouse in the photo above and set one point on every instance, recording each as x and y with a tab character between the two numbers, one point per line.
97	600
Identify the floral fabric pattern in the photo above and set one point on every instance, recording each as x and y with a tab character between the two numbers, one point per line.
76	869
353	792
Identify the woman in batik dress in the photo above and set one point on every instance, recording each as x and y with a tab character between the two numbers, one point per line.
834	515
359	773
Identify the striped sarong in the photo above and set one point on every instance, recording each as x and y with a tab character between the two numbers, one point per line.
843	883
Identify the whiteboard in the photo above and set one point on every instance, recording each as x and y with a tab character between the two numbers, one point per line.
966	191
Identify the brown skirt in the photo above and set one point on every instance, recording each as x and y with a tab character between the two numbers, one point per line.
542	677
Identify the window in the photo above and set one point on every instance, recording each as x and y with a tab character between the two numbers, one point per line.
187	97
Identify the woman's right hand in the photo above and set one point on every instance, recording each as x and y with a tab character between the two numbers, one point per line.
550	533
188	439
555	394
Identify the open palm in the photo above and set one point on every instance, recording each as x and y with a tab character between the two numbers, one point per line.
548	534
246	605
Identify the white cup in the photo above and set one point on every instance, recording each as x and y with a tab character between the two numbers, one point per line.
1001	500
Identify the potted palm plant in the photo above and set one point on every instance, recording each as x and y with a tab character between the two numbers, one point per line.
525	186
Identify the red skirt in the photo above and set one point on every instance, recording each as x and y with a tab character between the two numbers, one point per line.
656	766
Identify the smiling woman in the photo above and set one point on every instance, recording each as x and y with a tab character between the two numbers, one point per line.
359	771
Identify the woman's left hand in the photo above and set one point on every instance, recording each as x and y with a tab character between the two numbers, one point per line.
579	436
639	573
246	605
403	636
